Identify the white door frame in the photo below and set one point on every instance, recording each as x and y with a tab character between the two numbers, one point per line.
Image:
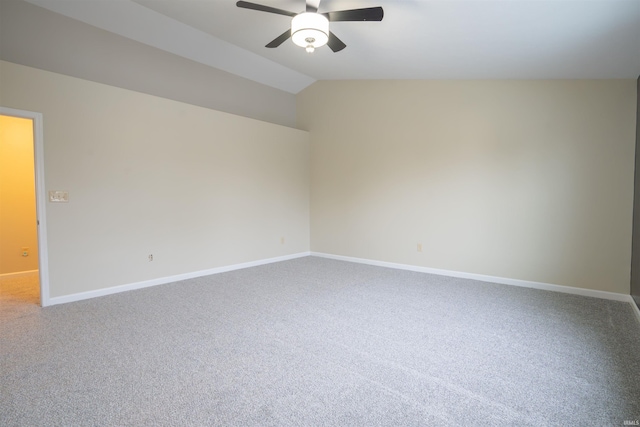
41	197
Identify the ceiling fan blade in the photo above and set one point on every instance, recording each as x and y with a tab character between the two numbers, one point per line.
263	8
334	43
366	14
280	39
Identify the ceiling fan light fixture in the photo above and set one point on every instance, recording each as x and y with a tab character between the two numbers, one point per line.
310	30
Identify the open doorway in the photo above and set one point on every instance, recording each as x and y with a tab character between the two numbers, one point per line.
23	257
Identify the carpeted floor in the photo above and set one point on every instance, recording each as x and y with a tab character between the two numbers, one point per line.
18	293
320	342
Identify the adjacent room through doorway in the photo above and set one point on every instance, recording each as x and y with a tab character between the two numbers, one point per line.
19	275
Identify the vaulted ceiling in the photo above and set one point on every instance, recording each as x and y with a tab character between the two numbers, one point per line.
417	39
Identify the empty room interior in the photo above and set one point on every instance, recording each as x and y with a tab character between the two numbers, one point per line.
394	213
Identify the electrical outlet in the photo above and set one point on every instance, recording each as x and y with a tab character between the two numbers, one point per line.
419	247
150	257
25	251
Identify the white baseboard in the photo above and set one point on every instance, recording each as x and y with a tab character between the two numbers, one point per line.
636	310
493	279
484	278
18	274
163	280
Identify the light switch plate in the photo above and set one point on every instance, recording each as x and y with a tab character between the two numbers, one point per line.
58	196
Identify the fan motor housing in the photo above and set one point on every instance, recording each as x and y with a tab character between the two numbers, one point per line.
310	29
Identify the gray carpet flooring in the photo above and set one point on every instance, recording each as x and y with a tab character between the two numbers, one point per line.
318	342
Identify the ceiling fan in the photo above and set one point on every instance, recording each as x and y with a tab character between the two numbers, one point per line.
310	29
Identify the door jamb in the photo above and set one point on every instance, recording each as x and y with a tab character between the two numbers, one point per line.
41	199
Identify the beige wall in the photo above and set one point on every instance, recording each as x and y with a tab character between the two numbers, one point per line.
529	180
17	196
197	188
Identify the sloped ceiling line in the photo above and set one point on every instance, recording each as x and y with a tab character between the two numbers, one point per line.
144	25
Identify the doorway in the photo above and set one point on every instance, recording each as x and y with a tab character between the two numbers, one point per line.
23	253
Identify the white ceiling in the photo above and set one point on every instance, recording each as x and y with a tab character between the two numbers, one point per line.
417	39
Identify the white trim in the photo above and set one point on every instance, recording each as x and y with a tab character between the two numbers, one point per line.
636	310
41	215
169	279
484	278
18	274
